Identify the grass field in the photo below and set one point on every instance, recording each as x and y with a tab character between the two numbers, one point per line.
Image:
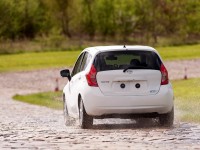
180	52
48	99
30	61
187	99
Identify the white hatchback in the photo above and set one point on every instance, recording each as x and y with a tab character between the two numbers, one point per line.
118	82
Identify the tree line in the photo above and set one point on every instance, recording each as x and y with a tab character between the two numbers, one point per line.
138	21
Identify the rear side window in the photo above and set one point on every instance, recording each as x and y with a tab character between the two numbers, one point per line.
86	59
117	60
77	66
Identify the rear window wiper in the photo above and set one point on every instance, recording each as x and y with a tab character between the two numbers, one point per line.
134	67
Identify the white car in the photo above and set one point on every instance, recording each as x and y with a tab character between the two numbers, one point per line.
118	82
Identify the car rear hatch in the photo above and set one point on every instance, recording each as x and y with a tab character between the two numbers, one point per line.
129	73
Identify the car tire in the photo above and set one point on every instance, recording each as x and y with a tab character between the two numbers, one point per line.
167	120
67	119
85	120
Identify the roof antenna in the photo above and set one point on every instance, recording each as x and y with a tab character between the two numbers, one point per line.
124	46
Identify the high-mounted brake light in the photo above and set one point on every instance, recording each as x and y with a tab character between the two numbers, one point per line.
91	77
164	73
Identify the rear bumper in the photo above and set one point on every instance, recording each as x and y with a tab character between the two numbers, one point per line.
97	104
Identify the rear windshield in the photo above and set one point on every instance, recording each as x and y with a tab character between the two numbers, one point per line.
122	60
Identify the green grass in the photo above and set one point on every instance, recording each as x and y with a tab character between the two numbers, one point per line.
48	99
180	52
187	99
40	60
30	61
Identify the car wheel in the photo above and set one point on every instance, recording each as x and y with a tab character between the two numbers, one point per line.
67	119
167	119
85	120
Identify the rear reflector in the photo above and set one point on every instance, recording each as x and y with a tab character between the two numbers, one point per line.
164	73
91	77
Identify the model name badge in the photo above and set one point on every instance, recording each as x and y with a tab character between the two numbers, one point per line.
129	71
104	81
153	91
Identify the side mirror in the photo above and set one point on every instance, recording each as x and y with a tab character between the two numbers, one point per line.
65	73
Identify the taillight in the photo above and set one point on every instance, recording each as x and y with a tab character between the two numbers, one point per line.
164	73
91	77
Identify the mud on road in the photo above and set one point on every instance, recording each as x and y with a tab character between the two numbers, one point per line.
24	126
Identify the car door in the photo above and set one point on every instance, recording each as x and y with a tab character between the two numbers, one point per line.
74	85
77	81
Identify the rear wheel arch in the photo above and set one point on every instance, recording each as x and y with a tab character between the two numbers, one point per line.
79	100
85	120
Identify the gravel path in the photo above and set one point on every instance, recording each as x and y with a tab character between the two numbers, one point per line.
178	68
24	126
